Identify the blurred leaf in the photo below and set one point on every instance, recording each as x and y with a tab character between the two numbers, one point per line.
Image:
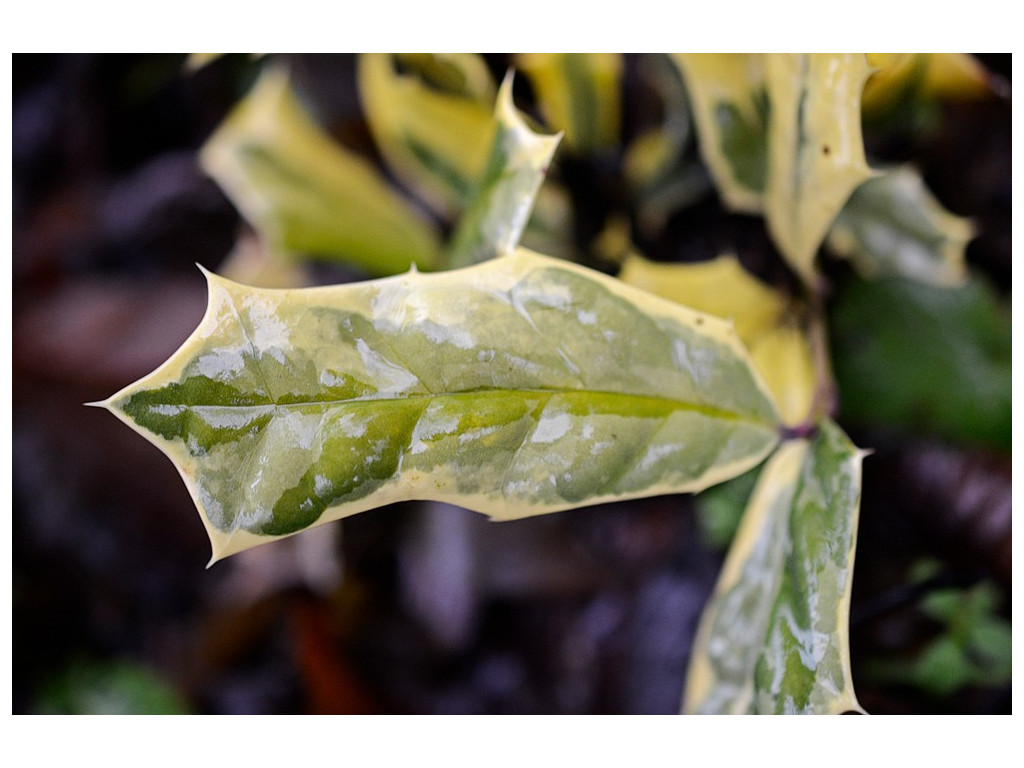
304	193
730	106
501	206
196	61
782	355
924	360
549	229
955	76
251	262
974	649
720	508
521	386
781	134
761	315
661	170
721	287
904	77
893	227
579	94
815	149
774	638
431	117
114	688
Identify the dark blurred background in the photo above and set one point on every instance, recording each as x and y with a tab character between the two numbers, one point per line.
411	608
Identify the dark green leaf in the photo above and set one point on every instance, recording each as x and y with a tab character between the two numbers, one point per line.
920	359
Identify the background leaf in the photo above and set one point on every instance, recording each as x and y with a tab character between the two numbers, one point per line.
579	94
113	688
730	106
913	358
815	149
973	648
893	226
304	193
661	166
904	77
431	117
775	638
522	386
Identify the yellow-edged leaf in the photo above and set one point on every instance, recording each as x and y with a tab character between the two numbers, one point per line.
579	94
721	287
815	149
901	76
782	355
504	197
306	194
730	105
775	636
517	387
892	226
431	117
780	350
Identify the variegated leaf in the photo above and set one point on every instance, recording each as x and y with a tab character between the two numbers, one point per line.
431	116
774	638
815	149
580	95
517	387
730	104
721	287
504	198
898	77
306	194
892	226
779	348
661	166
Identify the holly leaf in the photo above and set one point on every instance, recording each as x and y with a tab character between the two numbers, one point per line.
729	99
775	636
504	198
762	316
815	149
662	171
899	78
306	194
781	135
431	117
520	386
892	226
578	94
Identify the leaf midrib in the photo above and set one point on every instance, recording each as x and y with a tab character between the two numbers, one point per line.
373	400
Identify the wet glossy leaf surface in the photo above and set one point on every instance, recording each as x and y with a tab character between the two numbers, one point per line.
520	387
775	638
761	315
583	612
